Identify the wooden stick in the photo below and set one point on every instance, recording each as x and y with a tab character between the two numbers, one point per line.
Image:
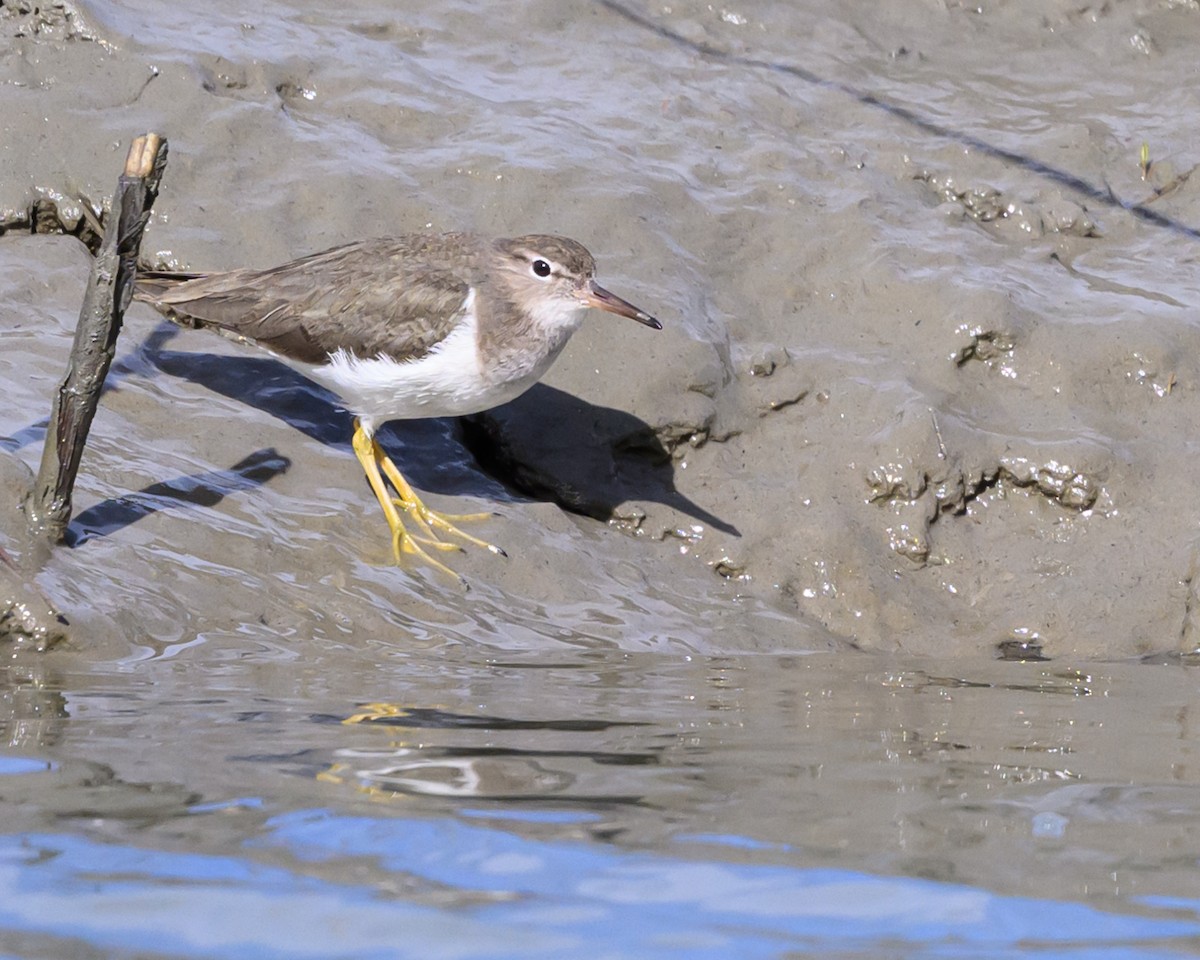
109	290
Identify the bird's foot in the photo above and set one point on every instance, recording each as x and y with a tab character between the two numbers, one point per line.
404	543
428	523
431	523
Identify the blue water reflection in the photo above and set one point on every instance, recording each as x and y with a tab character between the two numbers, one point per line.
442	888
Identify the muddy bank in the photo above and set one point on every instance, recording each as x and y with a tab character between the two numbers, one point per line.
929	376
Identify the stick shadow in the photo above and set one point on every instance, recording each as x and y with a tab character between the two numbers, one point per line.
200	490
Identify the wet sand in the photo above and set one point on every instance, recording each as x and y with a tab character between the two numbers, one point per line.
929	340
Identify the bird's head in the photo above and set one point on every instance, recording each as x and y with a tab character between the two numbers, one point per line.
553	280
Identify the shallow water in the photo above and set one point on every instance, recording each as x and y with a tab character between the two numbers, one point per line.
758	714
230	800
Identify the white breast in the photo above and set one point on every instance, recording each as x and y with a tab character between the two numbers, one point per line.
450	380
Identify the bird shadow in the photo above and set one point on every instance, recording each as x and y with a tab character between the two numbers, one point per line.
276	389
552	445
556	447
256	381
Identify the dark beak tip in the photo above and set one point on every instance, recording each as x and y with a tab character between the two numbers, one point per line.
601	299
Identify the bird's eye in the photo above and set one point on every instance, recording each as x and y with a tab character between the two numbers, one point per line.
541	268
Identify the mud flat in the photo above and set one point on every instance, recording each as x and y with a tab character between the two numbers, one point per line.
930	376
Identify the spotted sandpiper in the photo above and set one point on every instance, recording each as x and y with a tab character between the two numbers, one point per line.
402	328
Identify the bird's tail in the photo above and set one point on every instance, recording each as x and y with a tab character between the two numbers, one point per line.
152	284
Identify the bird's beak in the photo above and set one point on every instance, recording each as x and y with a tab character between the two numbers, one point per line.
594	295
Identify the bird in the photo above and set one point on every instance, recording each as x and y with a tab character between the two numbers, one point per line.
403	328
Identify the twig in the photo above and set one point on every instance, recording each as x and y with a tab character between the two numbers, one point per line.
109	290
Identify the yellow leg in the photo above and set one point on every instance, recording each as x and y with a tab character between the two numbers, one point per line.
402	541
371	456
412	505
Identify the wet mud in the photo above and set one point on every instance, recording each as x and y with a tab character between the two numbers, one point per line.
929	378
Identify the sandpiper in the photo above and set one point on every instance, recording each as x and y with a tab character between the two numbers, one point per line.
402	328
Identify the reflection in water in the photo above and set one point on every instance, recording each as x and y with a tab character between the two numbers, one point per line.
464	890
33	709
731	805
491	774
496	773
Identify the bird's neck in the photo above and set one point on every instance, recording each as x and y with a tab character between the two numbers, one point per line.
523	339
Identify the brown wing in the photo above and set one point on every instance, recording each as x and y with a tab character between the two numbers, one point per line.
397	297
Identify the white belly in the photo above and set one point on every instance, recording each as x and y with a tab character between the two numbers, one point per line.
451	380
